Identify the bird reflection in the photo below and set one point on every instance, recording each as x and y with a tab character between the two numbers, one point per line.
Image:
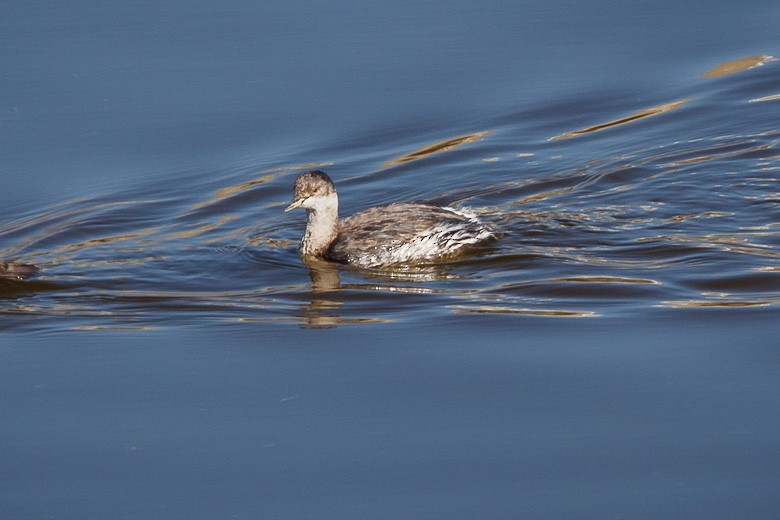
321	312
328	295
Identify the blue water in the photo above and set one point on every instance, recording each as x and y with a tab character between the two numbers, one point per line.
613	355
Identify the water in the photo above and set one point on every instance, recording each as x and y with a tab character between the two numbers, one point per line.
613	354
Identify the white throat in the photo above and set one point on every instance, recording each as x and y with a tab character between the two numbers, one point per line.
321	229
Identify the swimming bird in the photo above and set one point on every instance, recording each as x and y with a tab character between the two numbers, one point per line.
400	233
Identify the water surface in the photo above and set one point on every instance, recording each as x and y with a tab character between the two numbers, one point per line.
612	354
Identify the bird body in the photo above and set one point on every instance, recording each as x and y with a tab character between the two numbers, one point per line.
399	233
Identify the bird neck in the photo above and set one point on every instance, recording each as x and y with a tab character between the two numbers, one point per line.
322	226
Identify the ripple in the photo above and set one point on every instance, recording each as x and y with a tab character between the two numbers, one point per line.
597	290
685	304
772	97
553	313
441	146
200	228
231	191
607	279
755	282
143	328
642	114
739	65
683	218
269	175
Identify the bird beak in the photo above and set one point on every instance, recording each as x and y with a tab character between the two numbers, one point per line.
295	204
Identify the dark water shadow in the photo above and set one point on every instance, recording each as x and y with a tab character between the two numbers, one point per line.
13	289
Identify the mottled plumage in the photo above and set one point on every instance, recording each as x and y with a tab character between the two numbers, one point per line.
398	233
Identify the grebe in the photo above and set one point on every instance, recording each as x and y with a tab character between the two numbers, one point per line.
399	233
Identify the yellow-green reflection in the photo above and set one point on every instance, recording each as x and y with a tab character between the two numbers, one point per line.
441	146
104	240
225	193
647	112
732	67
189	233
229	191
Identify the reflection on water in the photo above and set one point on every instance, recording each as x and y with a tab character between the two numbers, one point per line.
680	220
492	309
223	194
718	303
646	112
724	69
442	146
230	191
739	65
16	271
773	97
